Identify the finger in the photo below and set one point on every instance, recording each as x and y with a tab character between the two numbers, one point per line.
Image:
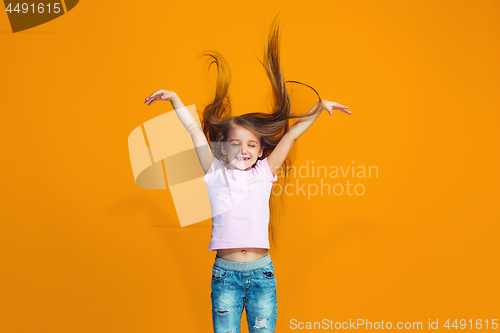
152	101
156	96
151	96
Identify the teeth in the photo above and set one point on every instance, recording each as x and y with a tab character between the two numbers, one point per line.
242	159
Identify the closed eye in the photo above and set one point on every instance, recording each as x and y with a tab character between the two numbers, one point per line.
235	144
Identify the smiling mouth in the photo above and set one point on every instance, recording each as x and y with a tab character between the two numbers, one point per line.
242	158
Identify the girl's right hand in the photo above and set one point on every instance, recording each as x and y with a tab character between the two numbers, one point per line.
160	95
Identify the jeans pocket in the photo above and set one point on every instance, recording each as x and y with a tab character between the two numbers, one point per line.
267	272
219	273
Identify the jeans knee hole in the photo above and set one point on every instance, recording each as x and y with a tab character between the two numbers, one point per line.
221	311
260	323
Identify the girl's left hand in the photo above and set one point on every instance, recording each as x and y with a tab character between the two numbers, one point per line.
330	106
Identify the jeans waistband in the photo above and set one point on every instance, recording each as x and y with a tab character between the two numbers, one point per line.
243	266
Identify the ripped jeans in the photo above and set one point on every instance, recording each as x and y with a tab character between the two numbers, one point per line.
250	285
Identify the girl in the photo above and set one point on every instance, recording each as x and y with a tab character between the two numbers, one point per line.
240	165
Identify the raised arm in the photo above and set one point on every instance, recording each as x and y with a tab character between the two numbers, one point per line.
200	142
279	154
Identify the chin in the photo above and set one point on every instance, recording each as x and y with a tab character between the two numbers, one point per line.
241	165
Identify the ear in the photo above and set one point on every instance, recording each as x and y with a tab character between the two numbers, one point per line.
223	150
261	151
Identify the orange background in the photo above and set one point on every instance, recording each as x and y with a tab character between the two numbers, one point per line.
84	249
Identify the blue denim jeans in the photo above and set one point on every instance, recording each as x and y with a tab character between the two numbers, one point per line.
250	285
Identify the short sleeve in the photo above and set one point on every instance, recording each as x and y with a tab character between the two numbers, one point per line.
266	170
211	171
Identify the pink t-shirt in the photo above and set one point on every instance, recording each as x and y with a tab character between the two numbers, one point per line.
240	205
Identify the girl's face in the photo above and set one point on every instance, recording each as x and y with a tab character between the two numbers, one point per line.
242	148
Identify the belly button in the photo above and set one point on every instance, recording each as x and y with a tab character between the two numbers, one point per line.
242	251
